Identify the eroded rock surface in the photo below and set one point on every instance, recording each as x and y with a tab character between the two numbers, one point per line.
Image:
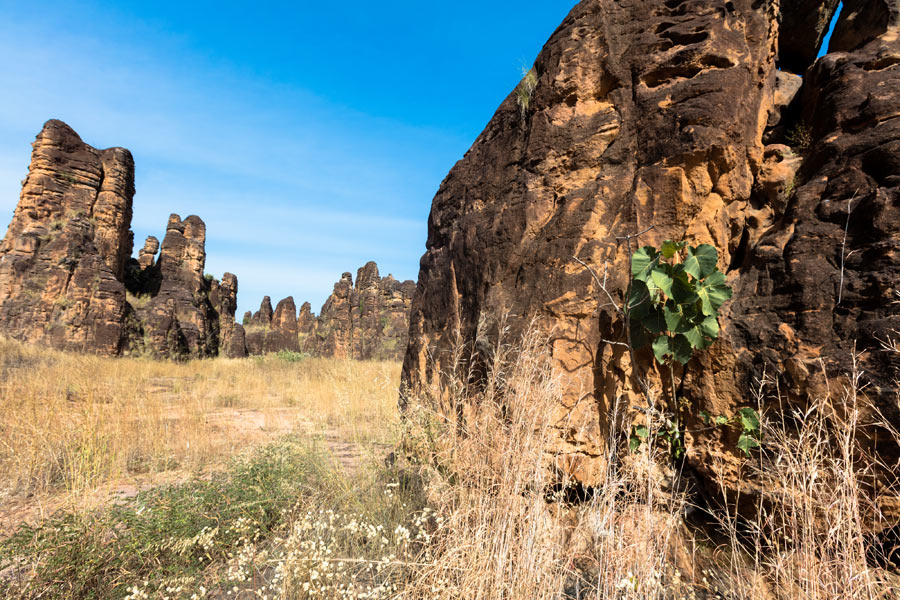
65	265
649	117
273	331
368	320
62	259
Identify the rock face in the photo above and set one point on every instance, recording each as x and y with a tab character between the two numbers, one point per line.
365	321
666	119
270	331
62	260
177	311
65	265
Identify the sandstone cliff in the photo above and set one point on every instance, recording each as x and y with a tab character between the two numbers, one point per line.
367	320
62	260
672	118
66	276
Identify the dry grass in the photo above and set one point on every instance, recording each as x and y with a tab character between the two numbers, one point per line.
70	422
628	539
471	510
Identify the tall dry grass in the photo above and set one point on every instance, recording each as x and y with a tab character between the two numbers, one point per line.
70	422
503	535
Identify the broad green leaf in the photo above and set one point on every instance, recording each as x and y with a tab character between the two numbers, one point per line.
681	349
695	337
683	290
749	419
642	261
634	443
746	443
638	299
669	248
703	261
642	432
662	280
662	349
713	292
639	337
675	321
654	320
721	420
710	327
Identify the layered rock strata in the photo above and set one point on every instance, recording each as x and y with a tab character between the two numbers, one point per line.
62	260
273	331
66	276
367	320
656	120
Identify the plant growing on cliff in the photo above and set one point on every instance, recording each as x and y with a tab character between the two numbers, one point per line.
674	299
525	89
673	305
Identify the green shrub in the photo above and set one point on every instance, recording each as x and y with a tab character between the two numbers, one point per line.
525	89
291	356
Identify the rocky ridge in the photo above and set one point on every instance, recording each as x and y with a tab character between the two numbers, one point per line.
66	276
682	119
367	320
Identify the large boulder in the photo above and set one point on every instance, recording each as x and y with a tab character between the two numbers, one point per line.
653	120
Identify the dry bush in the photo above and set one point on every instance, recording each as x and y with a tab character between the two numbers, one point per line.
504	536
815	532
507	531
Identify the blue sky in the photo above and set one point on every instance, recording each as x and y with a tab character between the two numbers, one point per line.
310	137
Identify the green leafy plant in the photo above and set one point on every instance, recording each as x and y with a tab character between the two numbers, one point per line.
750	431
673	304
799	137
746	419
525	89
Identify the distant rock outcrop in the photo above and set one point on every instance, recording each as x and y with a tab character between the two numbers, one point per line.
66	276
270	331
365	321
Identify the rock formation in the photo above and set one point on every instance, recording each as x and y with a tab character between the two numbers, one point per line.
365	321
62	259
65	265
669	119
270	331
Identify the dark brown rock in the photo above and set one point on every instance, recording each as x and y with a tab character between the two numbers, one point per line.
64	253
365	321
652	114
807	22
235	345
147	255
863	21
334	330
65	263
274	332
263	317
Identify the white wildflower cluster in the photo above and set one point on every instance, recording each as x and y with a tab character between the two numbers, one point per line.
324	554
329	554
